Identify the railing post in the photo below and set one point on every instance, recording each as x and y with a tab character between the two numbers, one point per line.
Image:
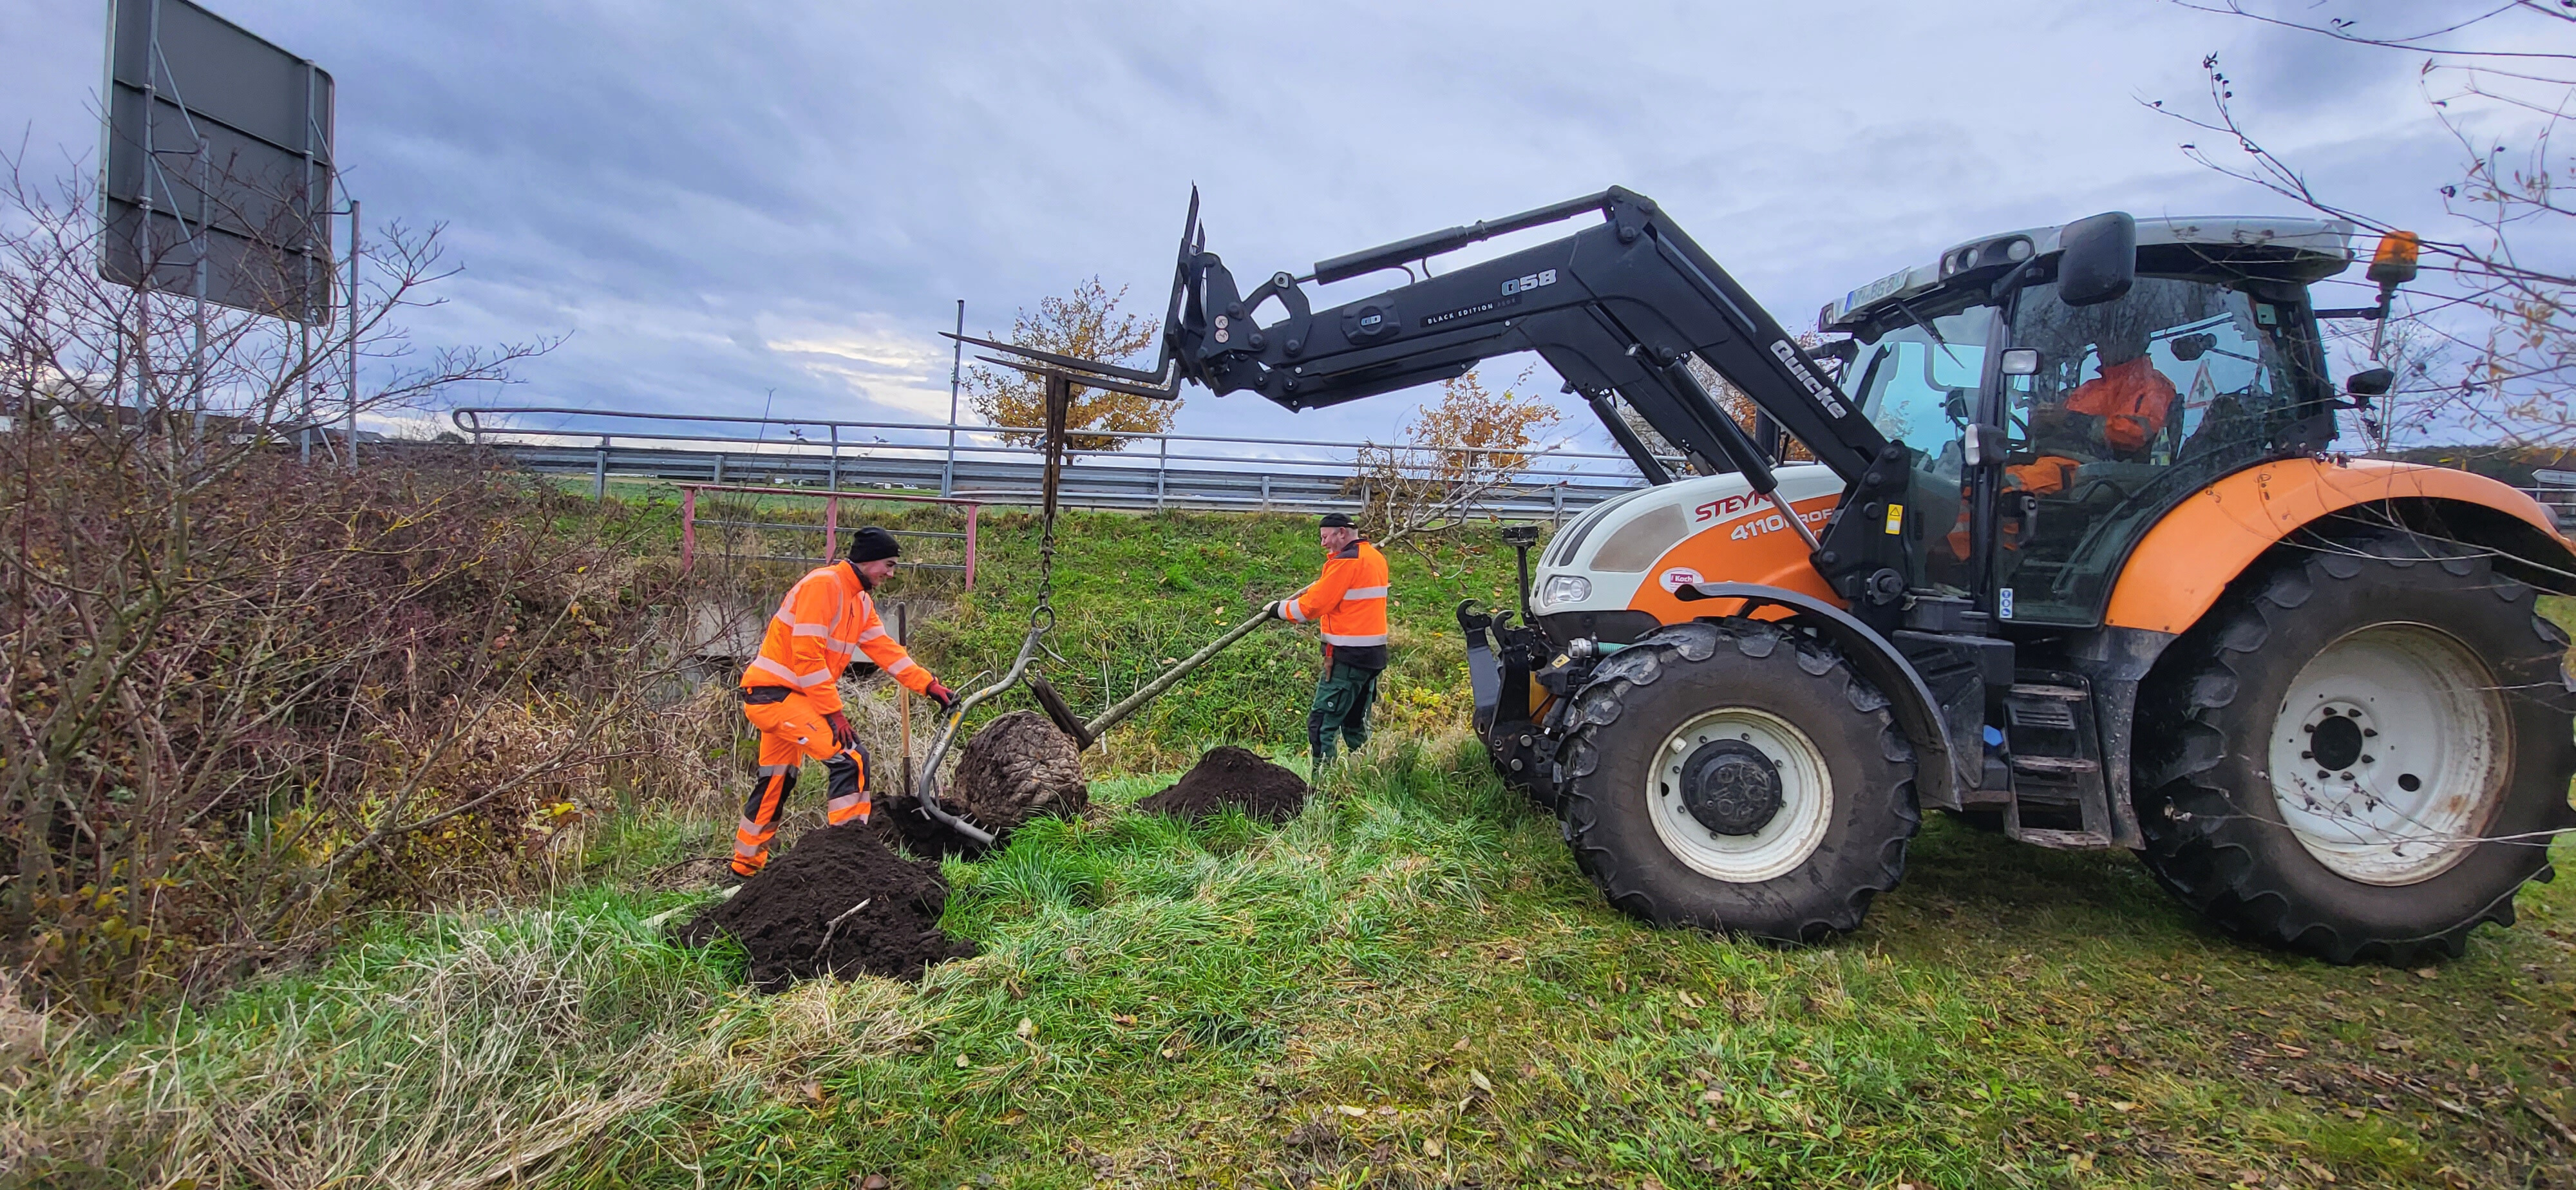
720	468
1556	520
1162	463
831	528
688	526
971	511
1265	491
598	470
836	465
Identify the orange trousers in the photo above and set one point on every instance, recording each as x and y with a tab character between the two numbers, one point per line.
792	732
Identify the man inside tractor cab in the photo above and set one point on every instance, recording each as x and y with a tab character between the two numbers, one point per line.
2112	417
2131	397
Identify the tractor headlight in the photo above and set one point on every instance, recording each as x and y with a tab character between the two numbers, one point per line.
1565	588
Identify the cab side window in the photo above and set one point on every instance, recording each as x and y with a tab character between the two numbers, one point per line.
2134	401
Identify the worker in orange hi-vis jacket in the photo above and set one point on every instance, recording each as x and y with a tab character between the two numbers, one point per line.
791	692
1348	604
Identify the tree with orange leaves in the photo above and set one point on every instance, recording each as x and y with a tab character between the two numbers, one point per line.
1086	324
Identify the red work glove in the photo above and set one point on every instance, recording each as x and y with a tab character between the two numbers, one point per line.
843	737
939	692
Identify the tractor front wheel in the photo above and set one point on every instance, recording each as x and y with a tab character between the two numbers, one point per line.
1738	777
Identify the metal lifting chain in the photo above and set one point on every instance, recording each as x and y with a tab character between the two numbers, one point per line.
1059	400
1059	403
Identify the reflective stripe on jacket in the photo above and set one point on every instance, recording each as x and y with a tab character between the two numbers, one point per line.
826	616
1348	603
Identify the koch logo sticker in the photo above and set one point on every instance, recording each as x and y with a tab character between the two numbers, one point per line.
1679	577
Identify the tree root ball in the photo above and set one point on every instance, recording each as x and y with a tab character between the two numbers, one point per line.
1018	768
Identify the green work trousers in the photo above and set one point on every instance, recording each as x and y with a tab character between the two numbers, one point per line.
1341	708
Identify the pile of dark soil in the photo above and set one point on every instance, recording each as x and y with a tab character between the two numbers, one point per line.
1015	769
784	916
1231	776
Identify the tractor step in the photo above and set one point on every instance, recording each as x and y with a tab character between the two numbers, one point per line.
2055	766
2064	840
2059	795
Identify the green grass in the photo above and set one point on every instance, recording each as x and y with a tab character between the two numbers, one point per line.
1407	985
1133	593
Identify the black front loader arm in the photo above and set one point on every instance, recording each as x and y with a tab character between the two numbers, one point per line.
1621	306
1610	307
1618	306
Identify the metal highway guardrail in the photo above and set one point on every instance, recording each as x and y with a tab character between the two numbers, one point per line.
1094	479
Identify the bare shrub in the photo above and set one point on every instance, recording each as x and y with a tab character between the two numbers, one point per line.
2484	347
1454	453
240	695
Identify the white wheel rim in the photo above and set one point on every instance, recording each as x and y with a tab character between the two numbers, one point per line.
2397	791
1806	798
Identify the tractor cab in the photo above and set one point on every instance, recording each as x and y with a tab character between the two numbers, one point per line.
2106	415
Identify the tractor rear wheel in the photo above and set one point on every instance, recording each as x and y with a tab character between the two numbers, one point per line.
1739	778
2362	752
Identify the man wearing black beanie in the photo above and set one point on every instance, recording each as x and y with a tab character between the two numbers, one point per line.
791	692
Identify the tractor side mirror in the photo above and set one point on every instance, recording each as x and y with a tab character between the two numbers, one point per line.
2374	382
2099	259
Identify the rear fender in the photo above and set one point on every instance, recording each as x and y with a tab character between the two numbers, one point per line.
2178	571
1871	655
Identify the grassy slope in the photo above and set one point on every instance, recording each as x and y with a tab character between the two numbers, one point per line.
1132	592
1409	985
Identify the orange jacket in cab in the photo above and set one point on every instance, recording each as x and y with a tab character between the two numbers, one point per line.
826	616
1348	603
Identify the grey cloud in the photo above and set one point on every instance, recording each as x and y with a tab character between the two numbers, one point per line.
684	187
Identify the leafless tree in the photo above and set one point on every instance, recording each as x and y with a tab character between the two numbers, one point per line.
243	694
2490	352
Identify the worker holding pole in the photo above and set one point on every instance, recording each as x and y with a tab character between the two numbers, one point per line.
1347	604
791	691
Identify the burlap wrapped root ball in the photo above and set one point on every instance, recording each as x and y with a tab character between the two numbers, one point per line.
1018	768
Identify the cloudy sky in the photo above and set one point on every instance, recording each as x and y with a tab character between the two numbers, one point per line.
732	206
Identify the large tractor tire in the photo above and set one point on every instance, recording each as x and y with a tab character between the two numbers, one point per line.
2359	753
1738	778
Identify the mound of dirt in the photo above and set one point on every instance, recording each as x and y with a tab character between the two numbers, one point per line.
784	916
1017	768
1231	776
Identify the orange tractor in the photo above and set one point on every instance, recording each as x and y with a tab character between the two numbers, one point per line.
2074	560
